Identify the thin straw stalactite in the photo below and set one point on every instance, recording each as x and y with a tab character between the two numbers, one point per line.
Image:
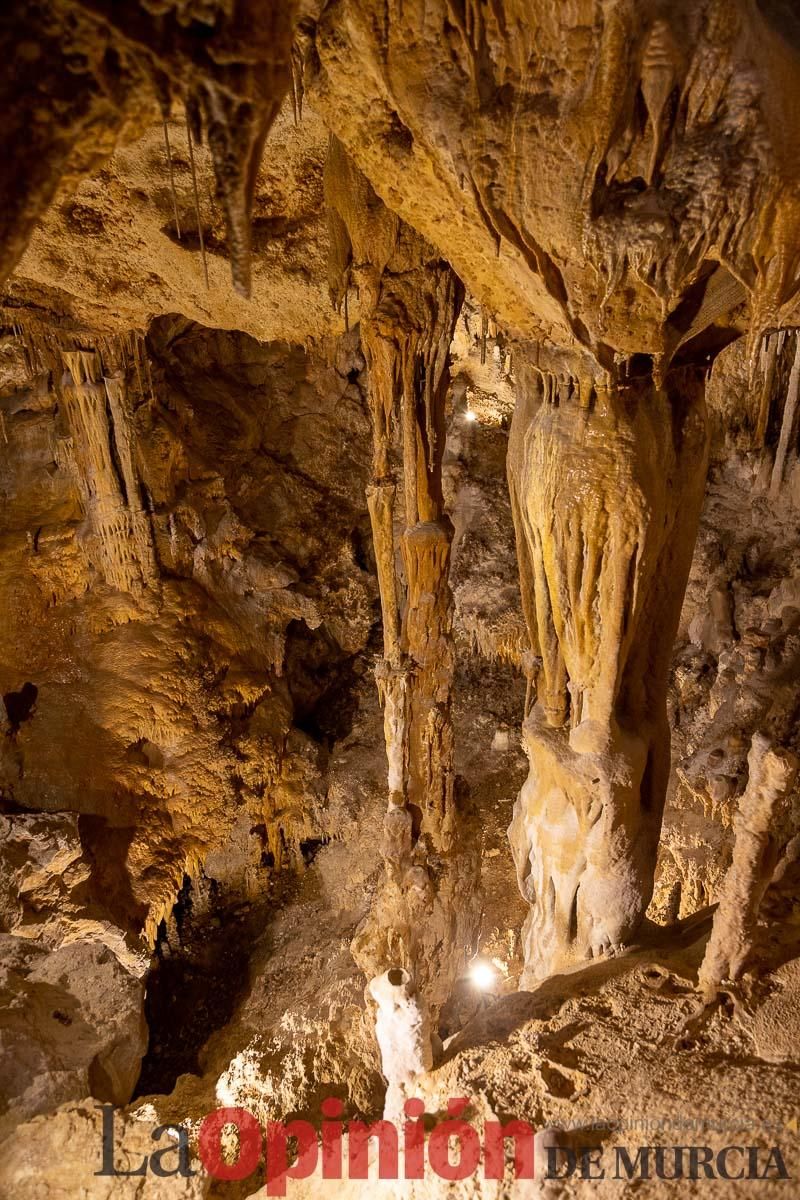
196	197
172	179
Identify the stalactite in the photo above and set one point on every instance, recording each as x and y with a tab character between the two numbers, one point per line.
380	502
194	191
659	77
771	348
173	878
136	354
194	119
148	372
788	435
171	178
393	680
776	257
37	349
116	394
301	47
236	130
298	70
295	106
505	643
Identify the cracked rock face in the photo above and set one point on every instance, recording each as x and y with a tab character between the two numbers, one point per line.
399	443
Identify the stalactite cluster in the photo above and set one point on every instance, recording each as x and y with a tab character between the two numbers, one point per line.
666	165
110	64
96	386
99	418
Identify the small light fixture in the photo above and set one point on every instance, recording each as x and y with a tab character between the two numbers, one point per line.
469	415
483	975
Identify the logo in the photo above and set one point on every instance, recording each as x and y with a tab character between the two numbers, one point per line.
232	1145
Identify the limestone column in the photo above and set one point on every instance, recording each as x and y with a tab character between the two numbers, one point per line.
606	479
425	915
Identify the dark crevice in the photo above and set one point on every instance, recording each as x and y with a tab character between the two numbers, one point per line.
311	848
199	975
323	683
20	705
114	452
363	552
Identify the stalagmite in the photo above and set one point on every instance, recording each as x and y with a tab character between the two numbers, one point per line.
404	1037
764	826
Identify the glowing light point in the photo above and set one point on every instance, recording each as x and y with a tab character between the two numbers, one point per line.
483	975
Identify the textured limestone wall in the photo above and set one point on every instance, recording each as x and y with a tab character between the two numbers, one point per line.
173	595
